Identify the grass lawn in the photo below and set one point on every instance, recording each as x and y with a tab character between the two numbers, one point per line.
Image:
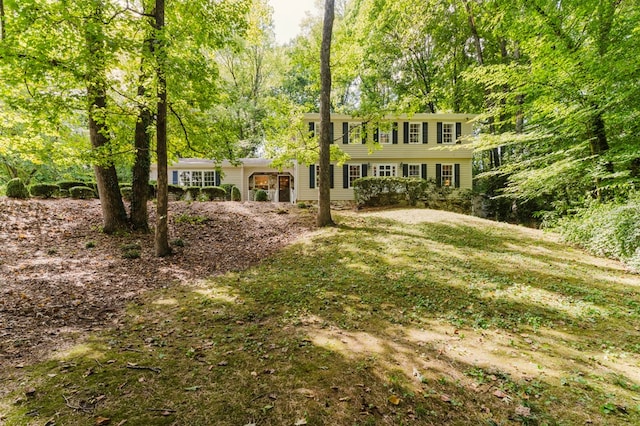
398	317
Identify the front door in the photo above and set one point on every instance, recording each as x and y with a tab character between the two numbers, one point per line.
284	188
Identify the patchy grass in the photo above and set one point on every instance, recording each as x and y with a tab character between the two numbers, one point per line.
389	318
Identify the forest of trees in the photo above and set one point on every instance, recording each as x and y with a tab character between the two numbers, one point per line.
556	84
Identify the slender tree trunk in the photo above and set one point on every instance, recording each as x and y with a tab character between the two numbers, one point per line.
162	221
140	186
3	31
324	193
114	216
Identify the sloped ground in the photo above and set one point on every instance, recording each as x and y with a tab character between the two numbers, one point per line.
61	277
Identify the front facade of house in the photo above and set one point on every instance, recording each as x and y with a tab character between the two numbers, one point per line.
429	146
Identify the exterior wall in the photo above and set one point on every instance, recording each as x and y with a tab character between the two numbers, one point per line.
428	152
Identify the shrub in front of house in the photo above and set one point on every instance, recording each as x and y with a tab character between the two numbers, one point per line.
228	188
176	191
214	193
191	193
82	192
235	194
261	195
66	185
385	191
127	192
43	190
17	189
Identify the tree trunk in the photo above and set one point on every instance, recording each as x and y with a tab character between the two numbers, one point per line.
140	184
162	221
324	193
3	31
114	216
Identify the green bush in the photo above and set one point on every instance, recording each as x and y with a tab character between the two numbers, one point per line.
126	192
261	195
235	194
191	193
228	188
384	191
214	193
607	229
66	185
17	189
43	190
82	192
176	190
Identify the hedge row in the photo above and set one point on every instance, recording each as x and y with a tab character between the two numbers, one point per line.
385	191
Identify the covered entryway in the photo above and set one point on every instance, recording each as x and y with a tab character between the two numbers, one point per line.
284	188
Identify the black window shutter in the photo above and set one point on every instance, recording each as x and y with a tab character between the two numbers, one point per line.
376	135
405	170
456	175
312	176
174	177
330	175
439	174
394	134
345	133
423	171
363	133
331	132
345	176
458	132
217	178
405	135
425	132
439	132
364	170
312	128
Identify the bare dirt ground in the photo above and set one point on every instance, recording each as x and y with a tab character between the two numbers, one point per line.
60	277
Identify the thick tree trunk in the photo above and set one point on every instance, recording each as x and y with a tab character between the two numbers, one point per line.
162	221
324	193
114	216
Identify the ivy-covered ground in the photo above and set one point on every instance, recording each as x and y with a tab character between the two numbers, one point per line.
392	317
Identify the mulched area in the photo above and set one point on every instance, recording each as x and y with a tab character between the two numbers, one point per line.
60	277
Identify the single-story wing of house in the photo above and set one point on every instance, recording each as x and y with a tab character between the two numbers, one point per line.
428	146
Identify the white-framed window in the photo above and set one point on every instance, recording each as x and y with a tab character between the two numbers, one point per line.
209	178
355	172
448	133
197	178
385	133
355	133
414	170
447	176
415	133
380	170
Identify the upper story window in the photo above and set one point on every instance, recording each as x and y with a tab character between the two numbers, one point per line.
448	133
415	132
381	170
355	132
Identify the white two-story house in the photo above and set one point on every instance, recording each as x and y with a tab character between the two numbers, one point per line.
428	146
